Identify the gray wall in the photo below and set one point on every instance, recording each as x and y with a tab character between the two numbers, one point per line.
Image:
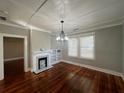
54	43
108	44
13	48
40	40
17	31
36	39
108	50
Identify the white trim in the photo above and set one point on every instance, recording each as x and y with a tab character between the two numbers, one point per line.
94	28
1	58
1	77
28	69
95	68
90	28
12	35
11	59
1	53
123	77
23	27
25	54
56	62
12	25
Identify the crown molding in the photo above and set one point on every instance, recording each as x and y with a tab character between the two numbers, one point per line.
22	27
89	29
12	25
95	28
102	25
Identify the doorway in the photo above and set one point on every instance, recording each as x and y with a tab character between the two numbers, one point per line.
2	35
13	56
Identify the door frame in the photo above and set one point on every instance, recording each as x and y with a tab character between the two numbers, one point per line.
2	35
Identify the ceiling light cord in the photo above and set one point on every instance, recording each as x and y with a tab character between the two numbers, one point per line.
62	24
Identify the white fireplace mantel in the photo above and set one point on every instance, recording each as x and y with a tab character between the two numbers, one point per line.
37	55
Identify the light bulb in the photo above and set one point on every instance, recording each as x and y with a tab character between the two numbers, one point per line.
66	38
58	38
62	39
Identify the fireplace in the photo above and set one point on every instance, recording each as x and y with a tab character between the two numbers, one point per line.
42	63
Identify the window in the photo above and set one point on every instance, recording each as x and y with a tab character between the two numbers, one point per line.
87	47
82	46
73	47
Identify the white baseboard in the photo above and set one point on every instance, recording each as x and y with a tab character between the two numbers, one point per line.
56	62
28	69
96	68
123	77
31	70
1	78
11	59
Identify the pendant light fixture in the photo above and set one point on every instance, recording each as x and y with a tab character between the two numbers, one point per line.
62	36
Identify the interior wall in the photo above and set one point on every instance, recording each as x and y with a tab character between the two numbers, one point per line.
108	50
54	43
17	31
36	39
13	48
40	40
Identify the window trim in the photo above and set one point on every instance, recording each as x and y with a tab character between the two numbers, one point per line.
78	46
93	47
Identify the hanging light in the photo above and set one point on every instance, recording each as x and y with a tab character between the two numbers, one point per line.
62	36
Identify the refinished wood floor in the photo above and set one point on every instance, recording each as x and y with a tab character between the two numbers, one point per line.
63	78
13	68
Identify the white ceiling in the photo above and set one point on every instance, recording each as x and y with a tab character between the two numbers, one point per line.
77	14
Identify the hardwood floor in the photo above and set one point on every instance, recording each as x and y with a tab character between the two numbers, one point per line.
63	78
13	68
